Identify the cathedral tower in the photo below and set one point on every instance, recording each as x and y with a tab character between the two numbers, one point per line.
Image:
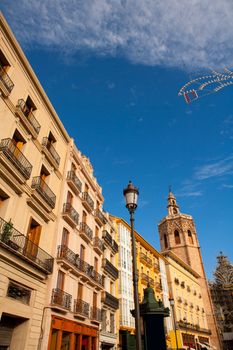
178	233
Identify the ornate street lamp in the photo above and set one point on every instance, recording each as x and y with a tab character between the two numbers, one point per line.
131	198
172	303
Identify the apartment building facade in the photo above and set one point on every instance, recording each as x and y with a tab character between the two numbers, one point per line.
33	145
188	312
149	264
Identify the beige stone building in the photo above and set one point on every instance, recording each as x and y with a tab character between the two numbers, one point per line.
33	145
178	234
189	314
83	286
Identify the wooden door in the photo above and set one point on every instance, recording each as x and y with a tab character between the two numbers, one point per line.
33	237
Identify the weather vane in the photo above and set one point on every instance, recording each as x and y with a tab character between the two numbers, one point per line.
205	85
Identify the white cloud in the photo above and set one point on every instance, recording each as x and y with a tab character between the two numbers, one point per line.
216	169
194	33
189	189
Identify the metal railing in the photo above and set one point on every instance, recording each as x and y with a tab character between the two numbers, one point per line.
61	298
16	157
99	215
110	268
23	247
29	115
69	210
6	80
145	259
68	255
48	145
95	314
196	327
110	300
43	189
72	177
98	243
87	198
107	237
86	229
81	307
145	278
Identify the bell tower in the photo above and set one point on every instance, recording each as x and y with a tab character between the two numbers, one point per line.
178	233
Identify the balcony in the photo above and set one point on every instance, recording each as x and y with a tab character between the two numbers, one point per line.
50	152
156	268
182	284
195	327
81	268
6	84
110	268
18	244
86	232
95	314
60	299
27	118
99	217
81	308
147	280
98	245
11	155
109	300
88	202
74	182
115	246
107	238
145	260
70	215
176	280
47	197
158	287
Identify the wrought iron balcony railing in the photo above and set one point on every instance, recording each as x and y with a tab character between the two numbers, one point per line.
71	212
107	237
98	244
73	259
95	314
109	300
196	327
84	228
29	115
88	200
99	216
81	307
48	145
20	245
16	157
61	298
5	79
72	178
110	268
145	259
43	189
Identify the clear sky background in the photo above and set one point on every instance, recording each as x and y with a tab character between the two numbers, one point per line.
112	70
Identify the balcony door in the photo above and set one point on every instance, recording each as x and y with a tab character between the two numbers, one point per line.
33	236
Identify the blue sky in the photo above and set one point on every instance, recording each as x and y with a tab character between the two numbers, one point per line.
113	71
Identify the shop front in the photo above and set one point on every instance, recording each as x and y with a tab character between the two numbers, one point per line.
70	335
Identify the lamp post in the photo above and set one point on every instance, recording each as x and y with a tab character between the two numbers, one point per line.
172	303
131	197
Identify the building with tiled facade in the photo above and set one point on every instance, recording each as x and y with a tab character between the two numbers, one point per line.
178	235
33	146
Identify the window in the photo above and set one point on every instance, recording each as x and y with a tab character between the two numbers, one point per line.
82	252
190	237
94	299
84	217
165	241
96	264
112	323
3	202
18	141
69	198
103	320
28	107
60	280
33	235
44	174
177	237
4	62
96	231
19	292
65	237
80	291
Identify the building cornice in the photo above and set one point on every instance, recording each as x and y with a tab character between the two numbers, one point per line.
169	254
